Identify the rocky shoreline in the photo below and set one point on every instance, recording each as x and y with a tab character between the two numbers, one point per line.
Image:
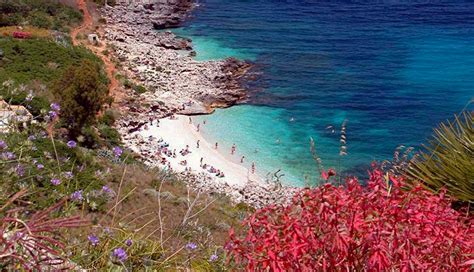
176	84
163	63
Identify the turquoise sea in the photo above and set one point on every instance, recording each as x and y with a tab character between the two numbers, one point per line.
392	69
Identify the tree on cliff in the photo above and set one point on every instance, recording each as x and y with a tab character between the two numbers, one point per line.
81	94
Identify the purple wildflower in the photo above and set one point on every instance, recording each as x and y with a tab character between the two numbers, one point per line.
117	151
29	97
52	114
71	144
191	246
55	181
55	107
20	170
120	254
3	145
213	258
106	189
94	240
40	166
77	196
32	137
107	231
128	242
68	175
9	156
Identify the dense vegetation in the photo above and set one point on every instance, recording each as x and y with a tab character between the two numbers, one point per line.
41	60
379	227
43	71
39	13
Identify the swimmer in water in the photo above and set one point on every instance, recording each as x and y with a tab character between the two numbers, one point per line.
331	129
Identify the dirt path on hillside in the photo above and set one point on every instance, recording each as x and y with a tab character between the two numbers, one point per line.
86	26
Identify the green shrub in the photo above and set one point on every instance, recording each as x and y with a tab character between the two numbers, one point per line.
81	95
9	20
89	138
448	160
27	60
40	19
110	135
139	89
40	13
127	84
102	20
108	118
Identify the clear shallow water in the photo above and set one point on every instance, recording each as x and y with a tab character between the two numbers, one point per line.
394	71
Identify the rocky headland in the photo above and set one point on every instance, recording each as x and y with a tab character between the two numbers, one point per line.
163	62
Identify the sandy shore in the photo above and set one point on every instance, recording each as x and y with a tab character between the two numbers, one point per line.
179	133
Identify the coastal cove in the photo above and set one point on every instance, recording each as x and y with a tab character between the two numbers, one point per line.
384	68
153	123
236	135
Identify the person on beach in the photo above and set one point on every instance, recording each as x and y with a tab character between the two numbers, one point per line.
253	167
242	159
217	145
197	143
190	120
198	127
232	150
200	162
204	122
